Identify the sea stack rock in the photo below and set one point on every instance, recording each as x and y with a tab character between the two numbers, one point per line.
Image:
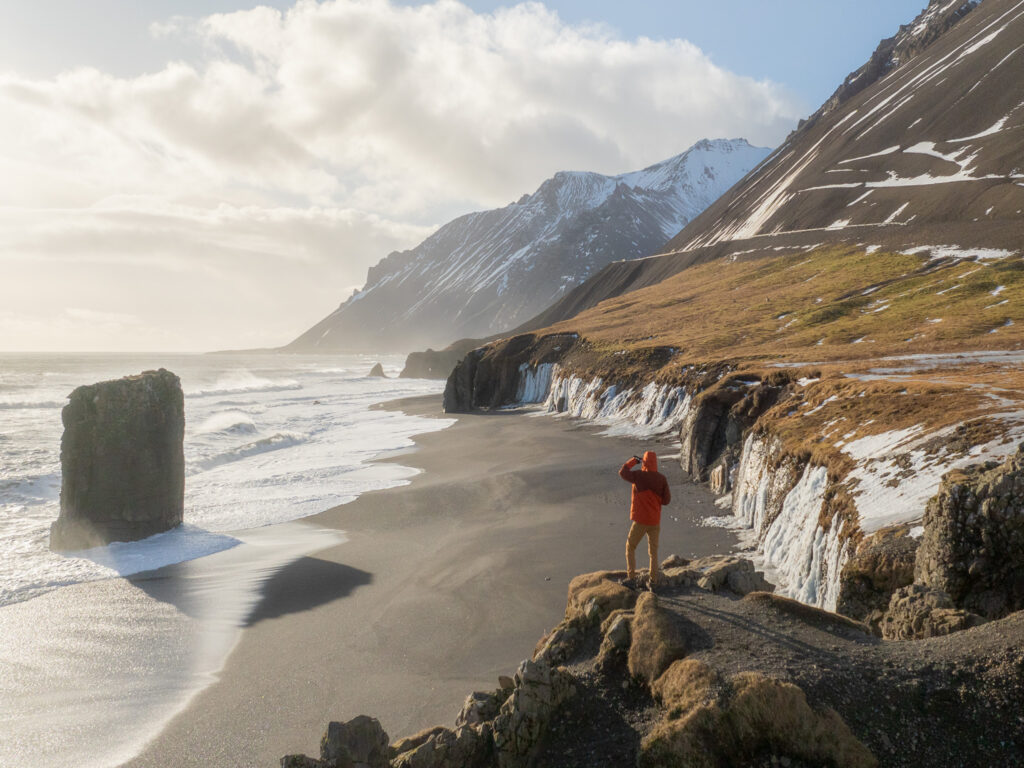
122	461
378	371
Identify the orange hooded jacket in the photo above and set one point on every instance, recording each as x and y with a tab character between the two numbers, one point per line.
650	490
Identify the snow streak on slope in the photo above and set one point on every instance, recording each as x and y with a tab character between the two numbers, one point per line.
935	131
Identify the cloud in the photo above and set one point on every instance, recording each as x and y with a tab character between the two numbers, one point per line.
306	144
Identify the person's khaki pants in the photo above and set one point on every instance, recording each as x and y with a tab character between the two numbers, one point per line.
636	533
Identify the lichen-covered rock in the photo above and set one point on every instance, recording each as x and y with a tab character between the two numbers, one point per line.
468	746
561	643
524	718
659	637
122	461
883	563
615	640
600	590
973	543
411	742
917	611
359	743
728	572
711	724
674	561
479	707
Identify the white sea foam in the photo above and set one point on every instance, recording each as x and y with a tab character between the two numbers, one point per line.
291	438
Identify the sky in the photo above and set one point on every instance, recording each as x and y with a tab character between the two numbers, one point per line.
190	175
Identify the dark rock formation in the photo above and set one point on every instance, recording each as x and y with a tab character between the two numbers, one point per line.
378	371
489	377
359	743
718	420
917	612
882	563
973	543
122	462
437	364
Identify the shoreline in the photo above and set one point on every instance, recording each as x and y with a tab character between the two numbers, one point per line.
451	579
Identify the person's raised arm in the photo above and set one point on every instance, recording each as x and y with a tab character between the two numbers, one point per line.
626	472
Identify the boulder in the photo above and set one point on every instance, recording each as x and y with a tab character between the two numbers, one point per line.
468	746
359	743
479	707
561	643
525	716
973	542
674	561
916	612
882	563
122	461
615	640
728	572
378	371
659	637
411	742
712	723
603	590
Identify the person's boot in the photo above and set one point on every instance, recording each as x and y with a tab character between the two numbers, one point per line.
630	582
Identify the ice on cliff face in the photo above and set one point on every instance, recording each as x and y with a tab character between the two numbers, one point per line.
655	409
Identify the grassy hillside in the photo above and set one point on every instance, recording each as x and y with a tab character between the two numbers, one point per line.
829	304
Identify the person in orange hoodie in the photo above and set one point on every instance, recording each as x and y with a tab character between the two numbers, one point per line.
650	491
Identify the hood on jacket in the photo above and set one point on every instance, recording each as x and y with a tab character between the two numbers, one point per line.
650	461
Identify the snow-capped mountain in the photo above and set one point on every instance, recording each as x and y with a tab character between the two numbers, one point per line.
928	153
487	272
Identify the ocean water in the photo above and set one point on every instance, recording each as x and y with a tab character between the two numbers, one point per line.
268	439
106	661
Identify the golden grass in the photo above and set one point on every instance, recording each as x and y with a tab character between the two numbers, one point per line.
814	307
754	714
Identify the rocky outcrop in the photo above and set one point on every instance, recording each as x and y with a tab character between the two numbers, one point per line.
122	461
718	420
540	690
466	746
437	364
714	722
489	377
377	372
695	677
359	743
973	542
916	612
911	40
882	563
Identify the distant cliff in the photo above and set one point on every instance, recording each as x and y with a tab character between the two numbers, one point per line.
487	272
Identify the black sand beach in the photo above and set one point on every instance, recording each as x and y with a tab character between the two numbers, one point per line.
442	585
